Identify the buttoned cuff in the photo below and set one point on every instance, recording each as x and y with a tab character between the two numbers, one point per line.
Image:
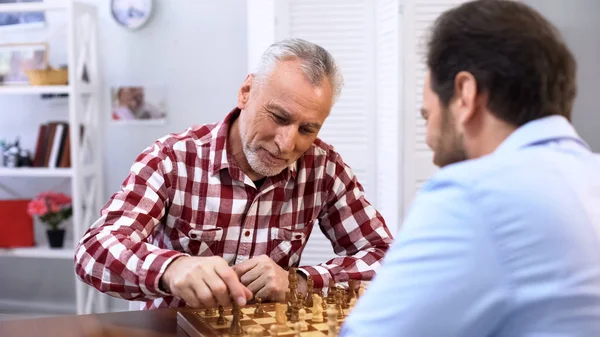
154	267
320	275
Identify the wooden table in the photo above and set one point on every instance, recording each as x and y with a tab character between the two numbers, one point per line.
145	323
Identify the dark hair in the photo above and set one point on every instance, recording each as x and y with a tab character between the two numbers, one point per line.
516	56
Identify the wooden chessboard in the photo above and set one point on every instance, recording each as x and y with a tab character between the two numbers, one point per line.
196	324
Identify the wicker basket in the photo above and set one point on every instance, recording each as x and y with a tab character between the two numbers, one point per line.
48	76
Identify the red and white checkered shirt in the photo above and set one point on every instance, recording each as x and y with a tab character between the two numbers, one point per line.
186	196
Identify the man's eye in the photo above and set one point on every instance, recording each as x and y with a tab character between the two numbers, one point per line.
306	131
278	119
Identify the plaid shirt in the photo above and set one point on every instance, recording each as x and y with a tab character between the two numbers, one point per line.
186	196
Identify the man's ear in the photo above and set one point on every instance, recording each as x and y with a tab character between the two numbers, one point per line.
465	97
244	93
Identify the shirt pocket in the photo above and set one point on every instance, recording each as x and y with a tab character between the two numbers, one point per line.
287	245
200	240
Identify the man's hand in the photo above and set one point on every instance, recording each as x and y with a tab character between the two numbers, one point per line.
204	282
265	278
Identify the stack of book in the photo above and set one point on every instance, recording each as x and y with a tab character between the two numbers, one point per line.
53	146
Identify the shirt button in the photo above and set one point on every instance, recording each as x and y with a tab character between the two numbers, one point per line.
247	233
298	237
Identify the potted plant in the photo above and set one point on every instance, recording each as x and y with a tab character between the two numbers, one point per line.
52	209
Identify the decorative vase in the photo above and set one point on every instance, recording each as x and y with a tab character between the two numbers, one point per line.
56	237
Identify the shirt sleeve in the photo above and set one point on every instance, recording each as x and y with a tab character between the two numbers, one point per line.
115	256
357	232
442	277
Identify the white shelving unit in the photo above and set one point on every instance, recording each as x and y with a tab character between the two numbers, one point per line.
85	174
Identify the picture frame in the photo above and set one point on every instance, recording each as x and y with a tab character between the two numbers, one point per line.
21	20
139	104
16	59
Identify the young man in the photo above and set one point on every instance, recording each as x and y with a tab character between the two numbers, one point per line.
504	240
222	211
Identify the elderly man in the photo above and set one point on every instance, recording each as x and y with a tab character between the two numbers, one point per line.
221	211
504	241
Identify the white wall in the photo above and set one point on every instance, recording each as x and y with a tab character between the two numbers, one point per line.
197	49
578	21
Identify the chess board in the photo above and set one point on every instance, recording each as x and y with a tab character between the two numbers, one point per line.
196	324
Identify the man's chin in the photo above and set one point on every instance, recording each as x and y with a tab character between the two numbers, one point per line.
444	159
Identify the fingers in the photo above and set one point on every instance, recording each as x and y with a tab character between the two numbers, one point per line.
251	275
218	289
204	294
236	289
243	267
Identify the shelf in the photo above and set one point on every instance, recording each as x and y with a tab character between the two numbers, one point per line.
47	5
43	252
34	90
40	172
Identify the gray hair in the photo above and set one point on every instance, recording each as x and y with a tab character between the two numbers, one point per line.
315	62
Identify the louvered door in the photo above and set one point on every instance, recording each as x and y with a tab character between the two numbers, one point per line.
418	16
346	29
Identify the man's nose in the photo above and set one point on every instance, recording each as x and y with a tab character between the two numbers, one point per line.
286	139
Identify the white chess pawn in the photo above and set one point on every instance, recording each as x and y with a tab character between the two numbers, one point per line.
274	330
332	321
255	331
302	318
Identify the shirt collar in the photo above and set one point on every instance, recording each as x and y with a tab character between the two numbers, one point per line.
538	131
222	160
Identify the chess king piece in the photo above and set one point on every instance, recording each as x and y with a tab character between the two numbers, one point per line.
259	311
317	309
236	326
221	320
339	299
280	317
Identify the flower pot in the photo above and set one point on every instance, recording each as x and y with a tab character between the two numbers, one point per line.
56	238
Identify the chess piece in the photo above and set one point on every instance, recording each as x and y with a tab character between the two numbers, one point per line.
352	304
295	311
345	300
221	320
273	330
259	311
332	321
236	327
351	289
317	309
297	329
289	299
280	317
310	290
361	290
255	331
331	292
302	320
339	305
209	312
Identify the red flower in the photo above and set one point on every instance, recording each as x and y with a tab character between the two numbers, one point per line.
37	207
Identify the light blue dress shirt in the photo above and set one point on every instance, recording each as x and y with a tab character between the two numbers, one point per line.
506	245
